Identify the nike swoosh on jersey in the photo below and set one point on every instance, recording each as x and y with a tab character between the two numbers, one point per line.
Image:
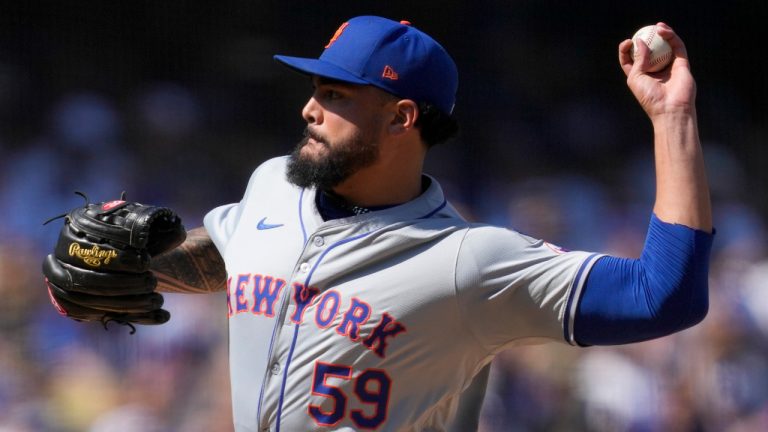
263	225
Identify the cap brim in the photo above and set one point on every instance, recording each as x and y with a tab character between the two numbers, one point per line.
312	66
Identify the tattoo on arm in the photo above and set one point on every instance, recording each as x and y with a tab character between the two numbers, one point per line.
194	267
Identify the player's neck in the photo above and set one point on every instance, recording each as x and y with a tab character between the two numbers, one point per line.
383	184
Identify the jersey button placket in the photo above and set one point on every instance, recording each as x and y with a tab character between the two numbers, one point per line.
318	241
282	340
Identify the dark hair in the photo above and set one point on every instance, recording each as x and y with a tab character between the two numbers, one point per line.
434	125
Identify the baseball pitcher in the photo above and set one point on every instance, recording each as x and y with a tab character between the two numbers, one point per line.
358	298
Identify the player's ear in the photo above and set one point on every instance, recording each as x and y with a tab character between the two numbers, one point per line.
406	112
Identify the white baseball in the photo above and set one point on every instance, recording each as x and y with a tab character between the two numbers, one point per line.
661	52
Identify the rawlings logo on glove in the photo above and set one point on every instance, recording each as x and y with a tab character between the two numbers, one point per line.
99	270
93	256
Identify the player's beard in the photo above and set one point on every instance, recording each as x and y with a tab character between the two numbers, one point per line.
340	160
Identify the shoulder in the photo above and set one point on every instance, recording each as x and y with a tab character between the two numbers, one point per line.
273	168
269	174
488	248
496	239
267	186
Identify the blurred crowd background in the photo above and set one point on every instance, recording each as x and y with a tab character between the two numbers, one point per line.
176	102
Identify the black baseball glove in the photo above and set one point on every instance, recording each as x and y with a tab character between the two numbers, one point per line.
99	270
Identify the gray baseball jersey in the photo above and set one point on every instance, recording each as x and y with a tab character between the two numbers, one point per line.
378	321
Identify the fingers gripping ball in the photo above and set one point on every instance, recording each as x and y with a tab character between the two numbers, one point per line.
660	50
99	270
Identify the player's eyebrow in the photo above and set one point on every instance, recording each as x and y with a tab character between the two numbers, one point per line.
318	81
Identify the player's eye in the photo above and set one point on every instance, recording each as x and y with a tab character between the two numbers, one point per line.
332	94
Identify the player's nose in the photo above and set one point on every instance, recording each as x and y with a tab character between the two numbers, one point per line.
312	112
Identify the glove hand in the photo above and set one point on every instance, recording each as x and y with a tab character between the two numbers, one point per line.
99	270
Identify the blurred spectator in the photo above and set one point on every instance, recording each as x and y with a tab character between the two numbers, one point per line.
79	152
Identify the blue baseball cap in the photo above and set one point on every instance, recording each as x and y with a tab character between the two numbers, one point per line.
393	56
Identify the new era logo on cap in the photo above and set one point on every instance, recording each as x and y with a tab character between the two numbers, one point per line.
389	73
393	56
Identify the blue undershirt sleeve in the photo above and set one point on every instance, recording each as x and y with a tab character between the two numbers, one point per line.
664	291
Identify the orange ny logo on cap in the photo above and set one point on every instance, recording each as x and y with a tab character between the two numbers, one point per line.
337	34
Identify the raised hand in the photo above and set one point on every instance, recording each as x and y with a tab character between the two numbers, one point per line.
670	90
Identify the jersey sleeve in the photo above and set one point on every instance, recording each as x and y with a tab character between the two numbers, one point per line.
514	289
222	221
220	224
